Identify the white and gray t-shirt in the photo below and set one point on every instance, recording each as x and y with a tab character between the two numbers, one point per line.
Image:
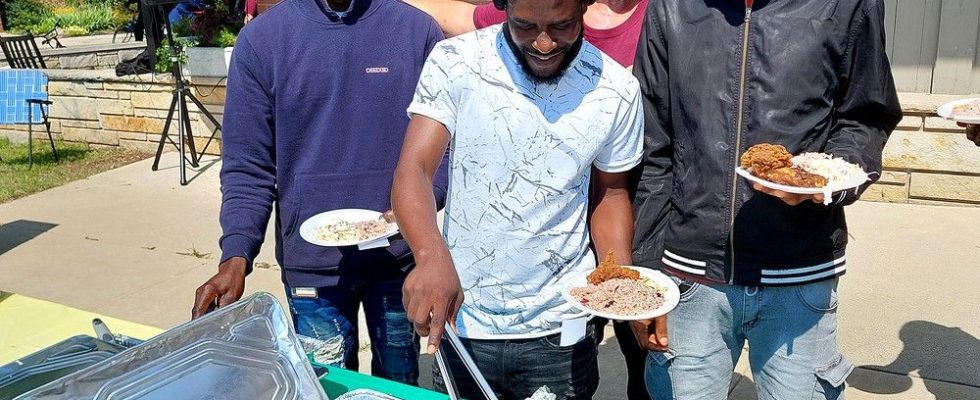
522	154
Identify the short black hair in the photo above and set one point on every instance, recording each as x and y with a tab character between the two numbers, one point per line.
502	4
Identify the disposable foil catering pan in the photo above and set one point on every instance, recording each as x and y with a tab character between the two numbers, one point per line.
53	362
243	351
366	394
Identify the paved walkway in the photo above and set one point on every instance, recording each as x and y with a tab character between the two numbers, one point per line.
133	244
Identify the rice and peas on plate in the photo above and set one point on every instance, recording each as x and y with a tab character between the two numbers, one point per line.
618	290
347	231
969	110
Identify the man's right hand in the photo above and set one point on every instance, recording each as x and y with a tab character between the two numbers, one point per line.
651	334
972	132
225	287
432	296
792	199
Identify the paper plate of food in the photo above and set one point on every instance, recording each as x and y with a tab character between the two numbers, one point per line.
346	227
965	111
770	165
622	293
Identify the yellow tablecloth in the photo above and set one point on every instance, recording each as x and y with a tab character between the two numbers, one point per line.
28	325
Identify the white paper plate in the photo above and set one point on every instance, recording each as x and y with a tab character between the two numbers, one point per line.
309	227
851	183
946	111
672	295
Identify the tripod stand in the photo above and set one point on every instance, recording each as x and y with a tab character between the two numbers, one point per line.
178	106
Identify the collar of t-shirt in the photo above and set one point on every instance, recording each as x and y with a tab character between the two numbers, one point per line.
338	14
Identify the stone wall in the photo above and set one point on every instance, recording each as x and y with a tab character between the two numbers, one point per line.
100	108
99	56
927	159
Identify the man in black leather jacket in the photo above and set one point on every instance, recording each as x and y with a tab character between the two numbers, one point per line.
756	265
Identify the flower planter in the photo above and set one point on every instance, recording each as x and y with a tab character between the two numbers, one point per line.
208	61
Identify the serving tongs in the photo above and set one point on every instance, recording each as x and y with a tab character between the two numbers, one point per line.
468	362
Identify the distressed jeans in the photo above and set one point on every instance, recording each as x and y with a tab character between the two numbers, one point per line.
333	313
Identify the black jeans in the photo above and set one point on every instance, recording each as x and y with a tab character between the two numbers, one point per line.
515	369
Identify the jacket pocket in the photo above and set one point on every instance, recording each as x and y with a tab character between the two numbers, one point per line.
311	194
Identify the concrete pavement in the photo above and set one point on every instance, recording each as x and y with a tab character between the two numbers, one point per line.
134	244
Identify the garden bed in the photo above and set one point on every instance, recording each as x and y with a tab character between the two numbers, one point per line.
71	17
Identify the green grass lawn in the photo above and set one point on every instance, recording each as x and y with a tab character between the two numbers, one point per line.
77	161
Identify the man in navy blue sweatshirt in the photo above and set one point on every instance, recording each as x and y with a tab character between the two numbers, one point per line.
314	121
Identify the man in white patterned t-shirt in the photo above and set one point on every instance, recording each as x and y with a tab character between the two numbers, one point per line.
531	113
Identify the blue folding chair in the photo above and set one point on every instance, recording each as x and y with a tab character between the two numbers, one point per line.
24	100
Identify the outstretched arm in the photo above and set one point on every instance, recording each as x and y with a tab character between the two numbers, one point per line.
431	294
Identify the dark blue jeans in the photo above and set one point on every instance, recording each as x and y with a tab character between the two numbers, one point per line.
394	343
515	369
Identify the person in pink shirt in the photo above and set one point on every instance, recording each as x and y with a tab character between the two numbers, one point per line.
613	26
251	8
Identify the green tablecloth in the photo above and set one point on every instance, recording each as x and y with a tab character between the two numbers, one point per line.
339	381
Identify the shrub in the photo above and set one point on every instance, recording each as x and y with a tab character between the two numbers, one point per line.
183	28
163	54
92	18
215	21
76	18
122	14
27	15
75	31
225	38
53	3
109	3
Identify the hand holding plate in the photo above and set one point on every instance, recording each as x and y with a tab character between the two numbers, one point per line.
789	198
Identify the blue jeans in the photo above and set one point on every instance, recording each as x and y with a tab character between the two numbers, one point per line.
333	312
792	337
516	368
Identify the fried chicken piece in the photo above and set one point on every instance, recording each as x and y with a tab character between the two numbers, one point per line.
765	157
773	163
609	261
608	269
794	176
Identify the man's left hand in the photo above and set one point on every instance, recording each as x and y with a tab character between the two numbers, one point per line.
789	198
651	334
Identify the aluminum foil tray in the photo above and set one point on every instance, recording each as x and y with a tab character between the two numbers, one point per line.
366	394
56	361
243	351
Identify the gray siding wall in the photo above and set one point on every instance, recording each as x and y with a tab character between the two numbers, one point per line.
932	45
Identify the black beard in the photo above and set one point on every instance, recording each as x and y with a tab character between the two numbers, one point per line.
570	55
